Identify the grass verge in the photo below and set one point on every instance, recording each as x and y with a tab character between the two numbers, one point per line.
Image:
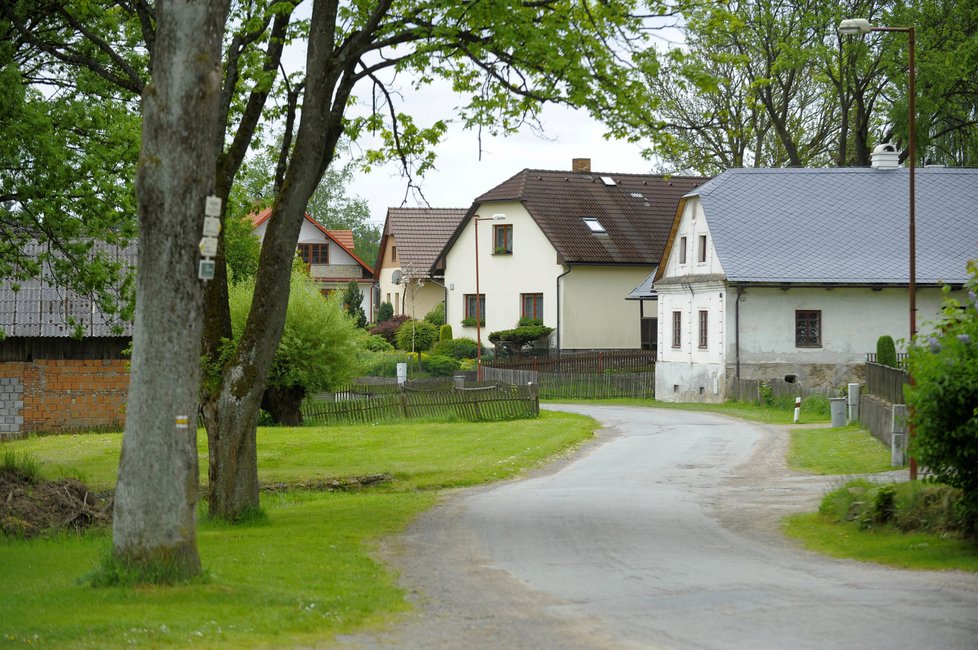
300	577
841	450
885	545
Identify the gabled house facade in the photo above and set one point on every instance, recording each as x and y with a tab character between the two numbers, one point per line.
411	240
795	273
562	247
329	256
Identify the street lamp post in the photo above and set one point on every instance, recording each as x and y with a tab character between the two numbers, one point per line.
861	27
478	295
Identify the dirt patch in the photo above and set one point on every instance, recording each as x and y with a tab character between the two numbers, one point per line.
32	508
348	484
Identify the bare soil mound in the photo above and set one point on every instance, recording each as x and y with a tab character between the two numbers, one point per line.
29	508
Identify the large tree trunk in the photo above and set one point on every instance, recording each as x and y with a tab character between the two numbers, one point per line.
155	503
284	404
233	470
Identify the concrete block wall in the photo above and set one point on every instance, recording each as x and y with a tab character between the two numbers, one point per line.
52	395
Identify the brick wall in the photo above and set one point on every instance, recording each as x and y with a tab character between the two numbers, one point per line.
61	395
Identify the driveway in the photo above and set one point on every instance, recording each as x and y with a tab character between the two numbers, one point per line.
661	534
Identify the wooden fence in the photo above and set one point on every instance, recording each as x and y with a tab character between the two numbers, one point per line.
886	382
580	362
567	385
901	357
479	403
755	390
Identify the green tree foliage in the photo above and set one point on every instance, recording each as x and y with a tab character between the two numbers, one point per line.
241	249
332	206
416	336
944	399
352	301
886	351
439	366
68	147
385	312
317	350
437	315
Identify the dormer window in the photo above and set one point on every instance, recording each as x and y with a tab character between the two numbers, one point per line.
594	225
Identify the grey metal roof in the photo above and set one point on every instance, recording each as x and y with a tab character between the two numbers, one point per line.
846	225
644	291
38	308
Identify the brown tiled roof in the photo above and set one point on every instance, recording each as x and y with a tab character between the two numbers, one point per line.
420	233
636	211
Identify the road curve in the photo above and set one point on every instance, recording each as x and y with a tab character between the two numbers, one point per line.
662	535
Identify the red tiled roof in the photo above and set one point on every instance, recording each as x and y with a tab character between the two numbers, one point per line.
343	238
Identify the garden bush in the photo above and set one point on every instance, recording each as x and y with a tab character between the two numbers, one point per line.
416	336
943	399
886	351
521	336
445	333
375	343
440	366
388	328
460	348
384	364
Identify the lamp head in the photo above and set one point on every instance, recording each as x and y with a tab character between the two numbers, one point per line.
855	27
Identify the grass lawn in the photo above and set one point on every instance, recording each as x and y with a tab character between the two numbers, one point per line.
882	545
842	450
304	575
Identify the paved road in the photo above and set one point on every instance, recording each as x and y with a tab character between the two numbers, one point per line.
664	535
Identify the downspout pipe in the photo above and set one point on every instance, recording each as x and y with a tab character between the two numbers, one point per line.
570	267
740	292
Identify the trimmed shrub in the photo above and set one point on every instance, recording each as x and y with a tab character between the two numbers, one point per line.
388	328
375	343
527	321
418	335
886	351
385	312
460	348
445	333
437	315
521	336
440	366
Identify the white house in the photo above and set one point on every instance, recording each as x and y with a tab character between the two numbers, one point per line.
329	256
411	241
562	247
795	273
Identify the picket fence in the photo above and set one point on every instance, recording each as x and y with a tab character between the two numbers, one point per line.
487	402
569	385
579	362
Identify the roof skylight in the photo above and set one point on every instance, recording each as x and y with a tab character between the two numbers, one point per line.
594	225
608	180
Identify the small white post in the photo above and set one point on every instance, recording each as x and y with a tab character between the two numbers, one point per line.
797	408
853	403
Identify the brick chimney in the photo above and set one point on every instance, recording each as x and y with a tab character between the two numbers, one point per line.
581	165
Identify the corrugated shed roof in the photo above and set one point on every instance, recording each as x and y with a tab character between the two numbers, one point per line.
635	211
847	225
421	233
39	309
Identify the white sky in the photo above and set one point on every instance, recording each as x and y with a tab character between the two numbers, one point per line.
460	175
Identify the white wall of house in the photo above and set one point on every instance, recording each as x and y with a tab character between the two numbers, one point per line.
532	268
342	266
692	227
694	369
415	300
595	312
